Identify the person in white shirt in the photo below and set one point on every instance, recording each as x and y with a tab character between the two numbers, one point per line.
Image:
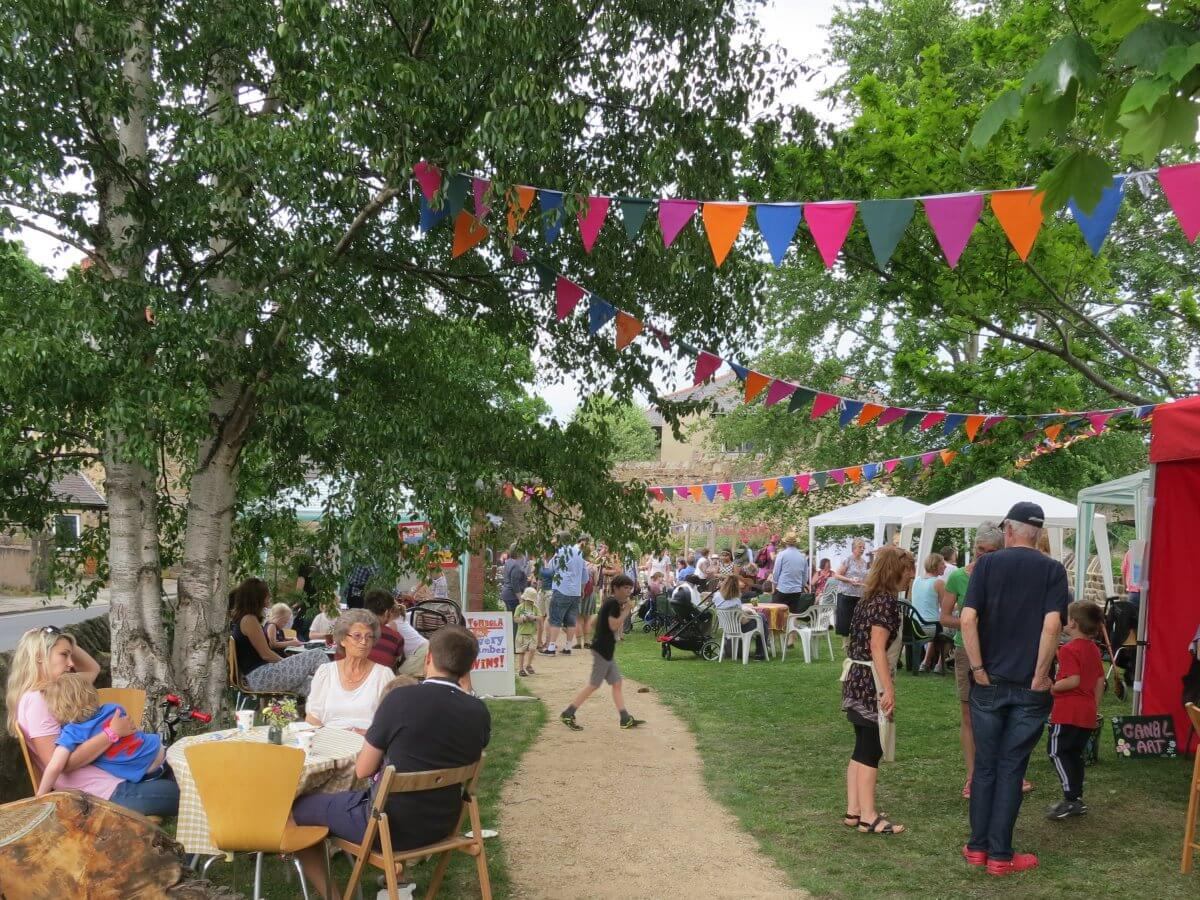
416	648
322	623
346	693
702	565
729	596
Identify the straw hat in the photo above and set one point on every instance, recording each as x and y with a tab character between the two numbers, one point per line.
791	539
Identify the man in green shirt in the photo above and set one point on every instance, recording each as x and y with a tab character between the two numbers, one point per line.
988	537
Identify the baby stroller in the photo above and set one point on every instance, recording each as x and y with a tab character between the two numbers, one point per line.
691	627
1120	640
430	615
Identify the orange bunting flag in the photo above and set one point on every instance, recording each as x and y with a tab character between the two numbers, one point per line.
972	426
948	456
468	233
517	207
870	412
854	473
722	223
756	383
627	329
696	492
1020	215
771	485
1053	431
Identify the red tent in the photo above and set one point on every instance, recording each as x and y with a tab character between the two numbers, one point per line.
1172	599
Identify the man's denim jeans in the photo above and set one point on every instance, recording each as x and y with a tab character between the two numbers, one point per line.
1008	720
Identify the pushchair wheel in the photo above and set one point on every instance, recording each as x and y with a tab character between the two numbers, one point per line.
647	627
710	650
666	651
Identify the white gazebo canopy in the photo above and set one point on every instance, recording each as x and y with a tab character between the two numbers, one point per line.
1132	490
988	501
879	510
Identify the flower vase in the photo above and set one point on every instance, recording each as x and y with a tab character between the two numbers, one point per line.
275	735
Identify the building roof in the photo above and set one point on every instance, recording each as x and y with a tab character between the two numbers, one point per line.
721	390
76	491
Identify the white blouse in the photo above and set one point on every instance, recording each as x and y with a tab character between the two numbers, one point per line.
337	707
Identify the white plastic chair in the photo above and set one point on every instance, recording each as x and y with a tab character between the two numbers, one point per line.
816	620
730	621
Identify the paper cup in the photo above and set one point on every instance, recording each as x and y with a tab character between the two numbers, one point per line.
245	720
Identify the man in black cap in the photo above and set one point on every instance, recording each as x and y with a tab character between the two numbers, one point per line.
1015	607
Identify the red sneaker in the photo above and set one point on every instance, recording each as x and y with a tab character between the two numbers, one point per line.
1020	862
975	857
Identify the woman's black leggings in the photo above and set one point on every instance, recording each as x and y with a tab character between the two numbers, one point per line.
867	749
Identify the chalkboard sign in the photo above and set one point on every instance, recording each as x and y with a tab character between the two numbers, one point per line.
1144	736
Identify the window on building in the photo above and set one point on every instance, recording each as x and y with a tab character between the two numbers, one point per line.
66	530
744	447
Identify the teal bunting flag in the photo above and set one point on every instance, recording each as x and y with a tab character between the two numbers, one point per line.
546	276
912	418
456	193
800	399
739	488
886	221
633	214
820	478
910	462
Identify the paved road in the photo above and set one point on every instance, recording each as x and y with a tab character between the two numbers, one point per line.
14	625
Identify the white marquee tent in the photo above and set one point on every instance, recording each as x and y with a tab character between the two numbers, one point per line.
1132	490
988	501
878	510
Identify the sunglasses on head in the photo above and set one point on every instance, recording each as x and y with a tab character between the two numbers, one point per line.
51	629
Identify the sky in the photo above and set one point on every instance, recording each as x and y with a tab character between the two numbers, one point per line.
798	26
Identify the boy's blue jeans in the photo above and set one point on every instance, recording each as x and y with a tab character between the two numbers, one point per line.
1008	719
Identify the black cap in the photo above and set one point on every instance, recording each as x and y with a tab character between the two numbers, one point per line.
1027	513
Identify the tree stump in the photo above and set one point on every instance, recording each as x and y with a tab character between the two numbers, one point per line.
68	844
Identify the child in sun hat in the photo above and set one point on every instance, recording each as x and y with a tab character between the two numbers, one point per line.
526	617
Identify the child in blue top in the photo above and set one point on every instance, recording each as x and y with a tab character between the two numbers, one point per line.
73	701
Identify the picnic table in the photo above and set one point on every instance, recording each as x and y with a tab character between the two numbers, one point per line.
328	768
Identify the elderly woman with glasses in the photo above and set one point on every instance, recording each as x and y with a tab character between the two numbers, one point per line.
346	693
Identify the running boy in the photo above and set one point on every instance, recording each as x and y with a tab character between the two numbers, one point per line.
526	615
1077	693
609	629
73	700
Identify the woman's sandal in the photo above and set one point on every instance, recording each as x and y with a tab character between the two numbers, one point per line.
873	828
851	821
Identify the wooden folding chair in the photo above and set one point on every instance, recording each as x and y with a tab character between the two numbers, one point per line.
241	692
132	700
392	862
1190	841
35	777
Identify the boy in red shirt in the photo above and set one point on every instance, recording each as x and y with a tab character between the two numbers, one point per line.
1077	693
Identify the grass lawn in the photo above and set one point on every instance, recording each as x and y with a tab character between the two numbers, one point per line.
514	726
775	747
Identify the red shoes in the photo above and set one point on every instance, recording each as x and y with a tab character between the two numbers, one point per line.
975	857
1021	862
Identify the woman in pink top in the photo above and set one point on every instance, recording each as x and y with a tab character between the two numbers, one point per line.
42	655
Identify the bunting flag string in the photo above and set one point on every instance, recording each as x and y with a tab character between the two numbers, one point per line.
797	483
952	217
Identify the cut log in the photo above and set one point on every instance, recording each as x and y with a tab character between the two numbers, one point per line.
69	844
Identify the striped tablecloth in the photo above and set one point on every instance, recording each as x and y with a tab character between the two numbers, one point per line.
328	768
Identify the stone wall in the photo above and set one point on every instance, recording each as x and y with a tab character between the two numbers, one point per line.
93	635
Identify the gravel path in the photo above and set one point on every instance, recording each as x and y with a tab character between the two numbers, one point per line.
606	813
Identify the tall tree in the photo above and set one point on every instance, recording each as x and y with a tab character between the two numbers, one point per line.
257	299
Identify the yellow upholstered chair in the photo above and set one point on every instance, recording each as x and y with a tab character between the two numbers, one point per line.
35	776
247	790
391	861
1191	842
133	700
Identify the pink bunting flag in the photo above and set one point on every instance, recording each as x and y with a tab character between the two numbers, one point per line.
592	220
779	390
890	465
520	257
429	178
991	422
567	295
838	475
953	218
672	216
661	336
931	419
1098	420
890	415
725	490
706	366
829	224
1181	184
755	488
803	482
823	404
927	459
479	189
657	494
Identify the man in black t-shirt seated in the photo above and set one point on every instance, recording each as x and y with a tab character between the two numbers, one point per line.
433	725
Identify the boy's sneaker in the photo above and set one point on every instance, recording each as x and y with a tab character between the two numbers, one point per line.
631	722
570	722
1066	809
1021	862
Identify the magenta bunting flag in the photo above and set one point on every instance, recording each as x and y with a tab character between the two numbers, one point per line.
952	219
779	390
890	415
725	489
520	257
591	220
802	483
706	366
829	224
755	487
1098	419
991	422
890	465
429	178
1181	184
838	475
823	404
479	189
567	295
682	492
927	459
931	419
664	339
672	216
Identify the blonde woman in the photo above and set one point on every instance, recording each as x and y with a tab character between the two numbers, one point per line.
42	656
852	576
